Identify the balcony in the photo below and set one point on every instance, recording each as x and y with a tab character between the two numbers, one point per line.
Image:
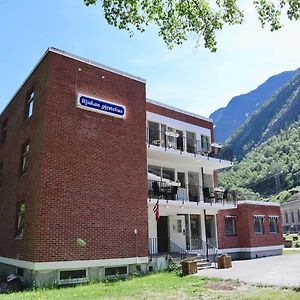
170	142
173	191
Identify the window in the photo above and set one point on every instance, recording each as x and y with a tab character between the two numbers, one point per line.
190	142
3	131
179	226
292	217
205	144
168	174
1	173
181	179
298	215
115	271
73	276
24	158
29	105
20	220
153	133
273	227
179	138
230	225
286	218
258	223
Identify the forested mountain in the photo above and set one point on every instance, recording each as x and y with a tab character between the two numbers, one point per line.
271	167
282	109
231	117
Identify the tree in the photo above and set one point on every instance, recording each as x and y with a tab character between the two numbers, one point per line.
179	19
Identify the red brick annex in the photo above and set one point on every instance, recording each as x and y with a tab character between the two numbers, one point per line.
85	158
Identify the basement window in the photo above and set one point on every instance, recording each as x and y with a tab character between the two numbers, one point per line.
116	271
72	276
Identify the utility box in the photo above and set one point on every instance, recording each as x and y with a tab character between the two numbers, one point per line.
224	261
189	267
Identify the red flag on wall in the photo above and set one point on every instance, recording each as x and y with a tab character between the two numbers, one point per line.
156	211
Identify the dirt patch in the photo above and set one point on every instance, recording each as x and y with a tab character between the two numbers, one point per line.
223	286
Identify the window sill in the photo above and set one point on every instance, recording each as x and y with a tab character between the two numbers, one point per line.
232	234
18	238
259	234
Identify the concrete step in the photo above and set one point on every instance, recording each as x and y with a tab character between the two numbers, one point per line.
205	267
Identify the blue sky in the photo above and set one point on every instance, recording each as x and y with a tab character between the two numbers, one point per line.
189	78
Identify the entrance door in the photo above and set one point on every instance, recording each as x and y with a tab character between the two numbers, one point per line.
196	241
210	225
177	232
163	234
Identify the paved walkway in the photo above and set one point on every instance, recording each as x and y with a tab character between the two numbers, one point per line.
281	270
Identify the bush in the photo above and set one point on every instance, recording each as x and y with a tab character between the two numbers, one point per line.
174	267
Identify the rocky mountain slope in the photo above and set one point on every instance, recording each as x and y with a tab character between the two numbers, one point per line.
231	117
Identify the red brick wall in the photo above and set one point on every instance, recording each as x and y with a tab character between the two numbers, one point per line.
244	226
151	107
14	188
93	167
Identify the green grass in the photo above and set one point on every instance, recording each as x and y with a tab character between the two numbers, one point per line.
287	251
289	237
157	286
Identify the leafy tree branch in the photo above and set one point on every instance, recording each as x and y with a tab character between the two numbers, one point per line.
177	20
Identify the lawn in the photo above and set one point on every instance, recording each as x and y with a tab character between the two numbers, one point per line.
288	251
160	286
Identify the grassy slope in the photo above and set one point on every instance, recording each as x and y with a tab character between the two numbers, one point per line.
156	286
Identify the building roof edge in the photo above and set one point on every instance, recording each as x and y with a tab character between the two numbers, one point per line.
252	202
96	64
179	110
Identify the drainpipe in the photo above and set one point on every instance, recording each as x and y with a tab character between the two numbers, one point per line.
204	211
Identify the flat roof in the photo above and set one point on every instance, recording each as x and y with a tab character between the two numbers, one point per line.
258	203
179	110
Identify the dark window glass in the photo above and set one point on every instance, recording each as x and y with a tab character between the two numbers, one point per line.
292	217
230	225
273	225
153	133
3	131
29	105
286	217
115	271
155	171
205	144
20	219
258	225
190	142
168	173
24	158
74	274
181	179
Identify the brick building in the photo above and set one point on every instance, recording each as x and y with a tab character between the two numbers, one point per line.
253	229
84	158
